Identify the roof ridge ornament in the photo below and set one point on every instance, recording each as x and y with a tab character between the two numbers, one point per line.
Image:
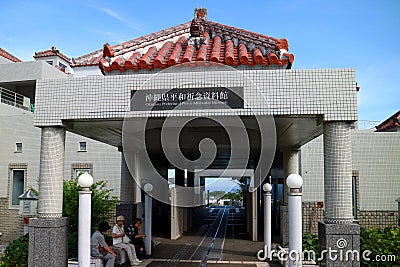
201	13
197	34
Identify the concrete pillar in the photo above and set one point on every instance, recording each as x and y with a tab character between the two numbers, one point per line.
128	188
48	233
188	211
290	165
51	172
203	190
126	206
338	231
337	173
197	191
176	216
148	214
254	223
137	200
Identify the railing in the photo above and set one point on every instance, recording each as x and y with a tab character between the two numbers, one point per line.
14	99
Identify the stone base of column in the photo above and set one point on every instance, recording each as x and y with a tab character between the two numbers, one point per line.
284	220
48	242
340	244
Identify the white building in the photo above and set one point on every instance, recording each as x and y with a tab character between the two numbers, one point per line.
20	139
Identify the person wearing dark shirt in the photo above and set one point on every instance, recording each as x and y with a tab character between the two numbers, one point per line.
137	238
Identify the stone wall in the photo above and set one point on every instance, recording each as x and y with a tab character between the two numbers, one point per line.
314	212
11	223
377	218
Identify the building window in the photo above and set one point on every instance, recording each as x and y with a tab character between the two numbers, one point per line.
355	195
17	187
82	147
18	147
49	62
81	168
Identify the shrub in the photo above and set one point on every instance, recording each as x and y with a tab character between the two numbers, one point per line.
16	254
310	243
381	242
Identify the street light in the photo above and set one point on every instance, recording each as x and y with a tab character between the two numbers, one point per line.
267	219
85	181
148	188
294	182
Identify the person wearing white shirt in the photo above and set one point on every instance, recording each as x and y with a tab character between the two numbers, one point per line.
121	240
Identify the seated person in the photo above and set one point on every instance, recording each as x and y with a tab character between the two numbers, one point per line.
137	238
121	240
99	247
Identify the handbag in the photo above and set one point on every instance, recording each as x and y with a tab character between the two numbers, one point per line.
126	239
102	250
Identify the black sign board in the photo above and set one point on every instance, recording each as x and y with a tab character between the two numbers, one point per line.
187	98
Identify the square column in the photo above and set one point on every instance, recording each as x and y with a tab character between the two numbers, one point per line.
48	233
338	232
290	165
128	185
129	206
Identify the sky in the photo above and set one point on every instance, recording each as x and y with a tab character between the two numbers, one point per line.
362	34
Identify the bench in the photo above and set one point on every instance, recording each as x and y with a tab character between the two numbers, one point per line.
120	260
121	255
96	262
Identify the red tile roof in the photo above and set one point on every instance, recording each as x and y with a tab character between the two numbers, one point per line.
392	122
52	52
5	54
224	44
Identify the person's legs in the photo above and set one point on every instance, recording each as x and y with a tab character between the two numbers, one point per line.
139	252
110	259
128	250
132	248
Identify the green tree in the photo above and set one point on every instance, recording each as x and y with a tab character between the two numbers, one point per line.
102	204
216	194
238	196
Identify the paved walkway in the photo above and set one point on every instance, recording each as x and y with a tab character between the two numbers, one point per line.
179	253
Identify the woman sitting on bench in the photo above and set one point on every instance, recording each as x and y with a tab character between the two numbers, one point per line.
121	240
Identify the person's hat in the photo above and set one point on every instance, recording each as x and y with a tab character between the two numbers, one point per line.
120	218
104	226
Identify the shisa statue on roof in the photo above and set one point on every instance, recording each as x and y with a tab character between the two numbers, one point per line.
197	29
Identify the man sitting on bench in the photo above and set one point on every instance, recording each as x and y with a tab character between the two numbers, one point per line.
99	247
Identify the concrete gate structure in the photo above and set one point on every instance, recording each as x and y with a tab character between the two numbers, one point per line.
130	106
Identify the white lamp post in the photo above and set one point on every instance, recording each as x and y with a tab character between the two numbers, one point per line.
294	182
267	219
147	216
85	181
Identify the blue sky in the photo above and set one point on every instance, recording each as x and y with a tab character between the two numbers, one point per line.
363	35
